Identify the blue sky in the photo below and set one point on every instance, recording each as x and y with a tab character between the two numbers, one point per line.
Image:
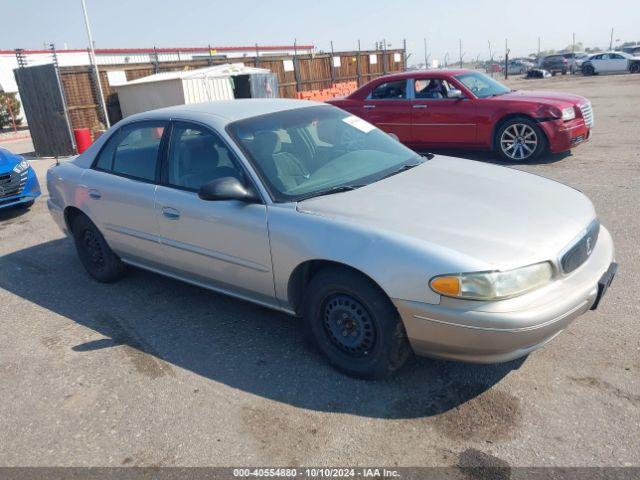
145	23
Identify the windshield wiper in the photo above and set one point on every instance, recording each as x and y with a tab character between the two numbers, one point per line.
329	191
403	168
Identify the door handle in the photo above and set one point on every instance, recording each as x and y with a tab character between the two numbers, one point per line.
170	213
94	194
369	106
420	105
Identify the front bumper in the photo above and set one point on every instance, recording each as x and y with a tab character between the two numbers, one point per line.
563	136
27	194
492	332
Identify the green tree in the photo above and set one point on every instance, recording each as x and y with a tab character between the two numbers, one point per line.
9	102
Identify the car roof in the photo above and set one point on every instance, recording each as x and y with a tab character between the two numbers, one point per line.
227	110
424	73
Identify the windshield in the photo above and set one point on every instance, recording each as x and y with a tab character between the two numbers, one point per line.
481	85
312	151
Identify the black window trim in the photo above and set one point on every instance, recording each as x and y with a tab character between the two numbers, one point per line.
159	158
373	89
164	166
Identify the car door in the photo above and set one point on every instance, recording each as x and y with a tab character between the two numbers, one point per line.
437	119
388	108
618	63
119	190
220	244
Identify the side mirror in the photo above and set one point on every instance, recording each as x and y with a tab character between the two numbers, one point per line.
456	94
227	188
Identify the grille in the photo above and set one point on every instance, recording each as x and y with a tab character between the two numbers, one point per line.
587	113
12	184
581	250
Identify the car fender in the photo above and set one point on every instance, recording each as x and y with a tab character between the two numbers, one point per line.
401	266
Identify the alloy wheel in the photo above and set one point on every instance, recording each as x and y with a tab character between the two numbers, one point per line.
519	141
348	325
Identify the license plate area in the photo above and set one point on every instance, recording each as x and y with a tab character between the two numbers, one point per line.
604	283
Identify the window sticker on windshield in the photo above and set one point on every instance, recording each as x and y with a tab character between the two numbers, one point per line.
358	123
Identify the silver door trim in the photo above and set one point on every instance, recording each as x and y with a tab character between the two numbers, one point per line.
205	252
131	232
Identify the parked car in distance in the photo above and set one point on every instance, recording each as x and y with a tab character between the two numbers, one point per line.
467	109
611	62
555	64
305	208
19	185
518	67
575	60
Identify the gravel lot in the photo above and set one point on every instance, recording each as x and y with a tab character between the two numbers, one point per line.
150	371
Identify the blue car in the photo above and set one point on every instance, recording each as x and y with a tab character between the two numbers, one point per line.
18	182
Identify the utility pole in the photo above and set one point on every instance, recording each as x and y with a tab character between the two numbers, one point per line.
506	59
425	54
573	51
92	56
460	51
538	49
611	41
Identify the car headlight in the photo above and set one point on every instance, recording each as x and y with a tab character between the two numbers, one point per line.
21	167
568	113
493	285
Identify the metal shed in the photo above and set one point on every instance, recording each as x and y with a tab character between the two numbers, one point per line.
221	82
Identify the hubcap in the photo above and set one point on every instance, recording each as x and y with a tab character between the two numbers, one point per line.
348	325
93	249
519	141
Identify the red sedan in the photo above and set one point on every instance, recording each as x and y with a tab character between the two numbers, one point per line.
467	109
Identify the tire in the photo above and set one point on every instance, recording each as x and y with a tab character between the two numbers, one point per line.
564	72
588	70
95	255
635	67
371	343
526	135
553	73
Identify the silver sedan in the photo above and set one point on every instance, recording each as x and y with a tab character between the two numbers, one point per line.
304	208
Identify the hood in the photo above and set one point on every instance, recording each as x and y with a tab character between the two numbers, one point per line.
500	217
8	160
547	98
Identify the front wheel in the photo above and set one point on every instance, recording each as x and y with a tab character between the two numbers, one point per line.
96	256
588	70
354	324
520	140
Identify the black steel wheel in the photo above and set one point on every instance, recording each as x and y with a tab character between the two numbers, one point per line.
95	254
349	325
354	324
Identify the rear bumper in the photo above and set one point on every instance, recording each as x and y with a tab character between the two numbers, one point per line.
492	332
563	136
58	215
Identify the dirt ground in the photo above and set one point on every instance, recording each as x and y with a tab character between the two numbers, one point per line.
150	371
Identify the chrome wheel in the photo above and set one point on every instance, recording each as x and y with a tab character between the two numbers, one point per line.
519	141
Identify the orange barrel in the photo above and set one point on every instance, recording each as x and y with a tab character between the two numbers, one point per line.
83	138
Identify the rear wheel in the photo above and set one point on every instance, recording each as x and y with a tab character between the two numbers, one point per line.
354	324
96	256
635	67
520	139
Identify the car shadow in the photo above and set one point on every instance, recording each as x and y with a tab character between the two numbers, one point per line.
236	343
492	157
11	213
